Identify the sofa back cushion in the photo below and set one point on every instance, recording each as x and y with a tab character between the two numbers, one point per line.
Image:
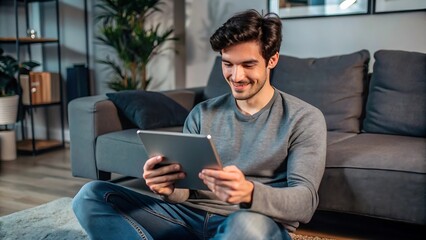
397	94
336	85
216	84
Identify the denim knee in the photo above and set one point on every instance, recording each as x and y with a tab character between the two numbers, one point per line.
91	191
250	225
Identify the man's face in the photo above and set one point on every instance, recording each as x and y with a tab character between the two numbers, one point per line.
245	70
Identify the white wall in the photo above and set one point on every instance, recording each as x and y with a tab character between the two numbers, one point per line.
162	67
319	37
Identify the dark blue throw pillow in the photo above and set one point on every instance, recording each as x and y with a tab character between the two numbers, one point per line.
149	110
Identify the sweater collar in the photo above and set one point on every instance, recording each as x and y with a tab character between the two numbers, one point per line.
244	117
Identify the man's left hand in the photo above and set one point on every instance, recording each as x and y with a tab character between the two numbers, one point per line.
229	184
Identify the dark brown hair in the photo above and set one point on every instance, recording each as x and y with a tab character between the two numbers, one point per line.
250	26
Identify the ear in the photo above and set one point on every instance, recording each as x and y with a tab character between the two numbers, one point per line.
273	61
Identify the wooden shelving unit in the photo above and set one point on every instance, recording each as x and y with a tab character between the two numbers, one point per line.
40	145
32	144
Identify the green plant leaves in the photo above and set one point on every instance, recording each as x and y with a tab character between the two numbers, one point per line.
9	68
124	30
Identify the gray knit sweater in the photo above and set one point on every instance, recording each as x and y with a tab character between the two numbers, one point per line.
281	149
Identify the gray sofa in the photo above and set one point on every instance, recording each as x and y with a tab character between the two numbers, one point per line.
376	156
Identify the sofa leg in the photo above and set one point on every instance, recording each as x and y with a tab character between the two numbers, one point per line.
104	176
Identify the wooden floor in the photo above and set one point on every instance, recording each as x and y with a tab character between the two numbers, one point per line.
30	181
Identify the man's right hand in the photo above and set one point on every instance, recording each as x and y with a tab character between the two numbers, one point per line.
161	179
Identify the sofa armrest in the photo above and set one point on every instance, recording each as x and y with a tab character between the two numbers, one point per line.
90	117
198	94
184	97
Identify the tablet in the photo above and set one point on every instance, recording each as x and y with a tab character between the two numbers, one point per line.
192	151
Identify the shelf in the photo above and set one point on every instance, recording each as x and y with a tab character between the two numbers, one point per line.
27	40
40	145
31	1
41	105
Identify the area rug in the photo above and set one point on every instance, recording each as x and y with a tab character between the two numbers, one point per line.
56	220
53	220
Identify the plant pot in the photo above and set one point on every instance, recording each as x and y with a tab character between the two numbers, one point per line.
7	145
8	109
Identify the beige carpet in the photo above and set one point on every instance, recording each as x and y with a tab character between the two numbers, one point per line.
55	220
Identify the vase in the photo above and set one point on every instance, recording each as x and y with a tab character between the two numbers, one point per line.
7	145
8	109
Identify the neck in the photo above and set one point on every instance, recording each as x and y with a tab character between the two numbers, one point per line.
253	105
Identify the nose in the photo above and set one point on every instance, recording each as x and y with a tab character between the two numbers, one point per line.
237	73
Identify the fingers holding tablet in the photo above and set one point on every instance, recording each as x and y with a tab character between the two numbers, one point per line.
160	177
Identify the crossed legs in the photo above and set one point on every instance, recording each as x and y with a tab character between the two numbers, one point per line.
109	211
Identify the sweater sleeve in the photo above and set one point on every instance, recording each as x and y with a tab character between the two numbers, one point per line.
191	123
305	167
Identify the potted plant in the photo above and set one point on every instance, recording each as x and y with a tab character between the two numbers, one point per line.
123	28
10	91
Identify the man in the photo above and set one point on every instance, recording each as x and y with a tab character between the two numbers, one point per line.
272	146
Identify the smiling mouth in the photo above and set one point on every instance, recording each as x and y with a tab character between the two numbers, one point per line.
240	86
240	83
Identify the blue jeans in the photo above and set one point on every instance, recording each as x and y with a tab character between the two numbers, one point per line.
109	211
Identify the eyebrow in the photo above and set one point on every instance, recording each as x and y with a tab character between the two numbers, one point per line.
252	61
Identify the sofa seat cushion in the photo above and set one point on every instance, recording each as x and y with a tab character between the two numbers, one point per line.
397	98
122	152
335	137
379	151
376	175
336	85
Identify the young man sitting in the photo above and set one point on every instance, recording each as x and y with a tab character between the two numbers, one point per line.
272	146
